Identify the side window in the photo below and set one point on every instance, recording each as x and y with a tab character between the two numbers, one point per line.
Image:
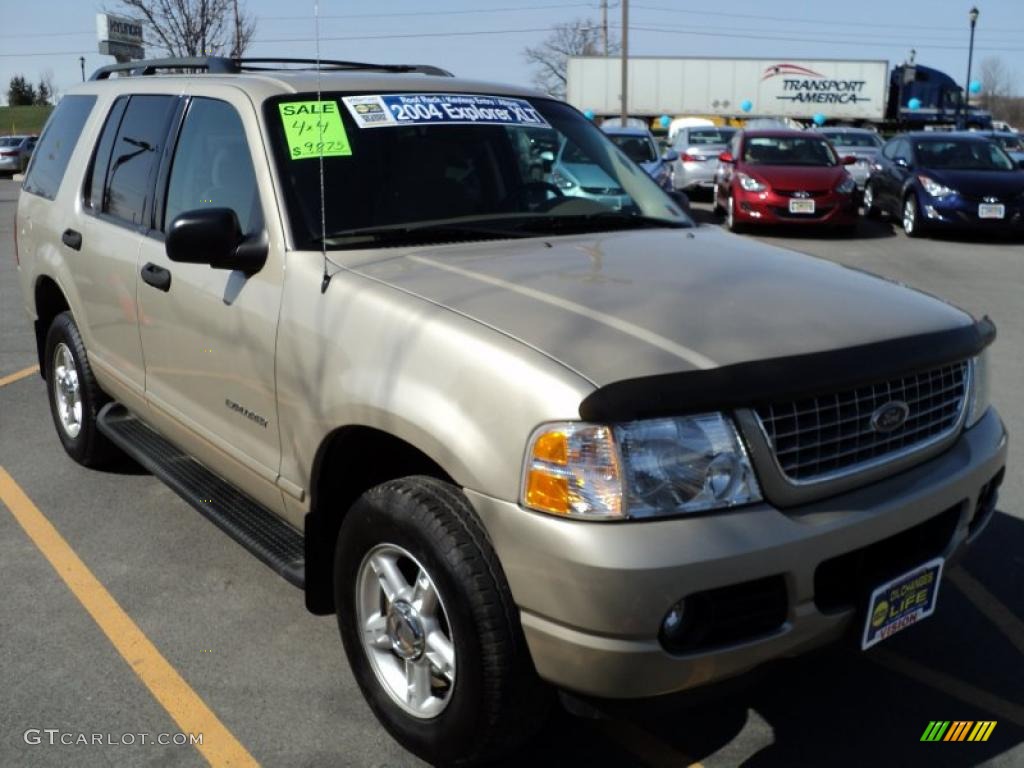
135	156
212	166
96	178
51	158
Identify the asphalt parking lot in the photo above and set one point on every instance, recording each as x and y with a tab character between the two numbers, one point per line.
270	681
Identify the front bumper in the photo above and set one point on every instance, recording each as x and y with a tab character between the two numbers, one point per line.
593	596
770	207
10	163
956	212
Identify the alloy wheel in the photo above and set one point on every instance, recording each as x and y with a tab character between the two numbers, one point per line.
405	631
67	394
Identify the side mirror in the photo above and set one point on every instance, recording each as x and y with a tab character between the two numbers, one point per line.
547	156
213	236
726	157
902	162
670	156
849	160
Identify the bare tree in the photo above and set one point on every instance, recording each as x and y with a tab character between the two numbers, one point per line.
580	37
193	27
996	81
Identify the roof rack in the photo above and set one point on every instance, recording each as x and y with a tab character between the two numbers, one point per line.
221	65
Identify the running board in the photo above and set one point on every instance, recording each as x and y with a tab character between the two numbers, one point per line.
252	525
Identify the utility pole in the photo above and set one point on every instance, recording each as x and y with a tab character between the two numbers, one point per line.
625	61
604	26
81	63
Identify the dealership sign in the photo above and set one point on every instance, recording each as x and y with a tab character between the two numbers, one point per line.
119	36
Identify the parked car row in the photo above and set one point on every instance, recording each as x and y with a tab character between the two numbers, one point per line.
15	152
925	180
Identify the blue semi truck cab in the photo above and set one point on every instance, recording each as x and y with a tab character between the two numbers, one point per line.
939	100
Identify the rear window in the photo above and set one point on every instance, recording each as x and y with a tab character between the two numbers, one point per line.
862	140
52	155
10	142
711	136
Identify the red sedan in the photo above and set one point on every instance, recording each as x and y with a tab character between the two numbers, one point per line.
785	177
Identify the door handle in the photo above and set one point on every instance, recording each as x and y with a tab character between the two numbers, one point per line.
158	277
72	239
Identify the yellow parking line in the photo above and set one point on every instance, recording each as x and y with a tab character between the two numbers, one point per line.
1005	619
18	376
219	747
950	686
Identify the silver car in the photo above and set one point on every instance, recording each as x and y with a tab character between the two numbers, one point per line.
861	143
15	152
698	148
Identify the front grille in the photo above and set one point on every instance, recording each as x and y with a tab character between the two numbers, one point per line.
819	212
810	193
819	438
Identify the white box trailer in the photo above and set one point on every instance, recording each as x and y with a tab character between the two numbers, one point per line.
797	88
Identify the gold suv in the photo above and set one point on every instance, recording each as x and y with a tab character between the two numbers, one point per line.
516	435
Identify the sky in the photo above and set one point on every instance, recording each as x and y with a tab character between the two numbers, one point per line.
484	39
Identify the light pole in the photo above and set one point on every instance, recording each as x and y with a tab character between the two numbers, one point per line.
973	16
81	63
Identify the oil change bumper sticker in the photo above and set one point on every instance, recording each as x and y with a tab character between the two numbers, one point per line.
391	110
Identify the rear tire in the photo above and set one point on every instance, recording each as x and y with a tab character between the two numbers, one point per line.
75	397
488	700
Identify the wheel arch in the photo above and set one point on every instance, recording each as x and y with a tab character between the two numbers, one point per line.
49	302
351	460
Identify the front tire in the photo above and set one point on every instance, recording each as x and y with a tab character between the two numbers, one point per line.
75	397
912	224
429	625
730	215
871	210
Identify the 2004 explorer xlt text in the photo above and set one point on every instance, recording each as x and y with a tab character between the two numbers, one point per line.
519	434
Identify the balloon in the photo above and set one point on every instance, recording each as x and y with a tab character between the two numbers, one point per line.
975	86
665	121
746	105
819	119
914	103
589	114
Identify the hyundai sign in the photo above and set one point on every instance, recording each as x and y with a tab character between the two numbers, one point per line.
119	36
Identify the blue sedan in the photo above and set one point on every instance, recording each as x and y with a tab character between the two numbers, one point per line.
930	181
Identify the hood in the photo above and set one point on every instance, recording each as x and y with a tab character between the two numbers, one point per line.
1004	185
645	302
796	176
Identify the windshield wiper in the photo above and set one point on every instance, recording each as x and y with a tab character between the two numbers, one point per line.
597	222
418	233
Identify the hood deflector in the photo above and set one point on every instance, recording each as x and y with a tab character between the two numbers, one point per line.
761	381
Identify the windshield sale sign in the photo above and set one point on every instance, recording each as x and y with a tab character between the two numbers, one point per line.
380	111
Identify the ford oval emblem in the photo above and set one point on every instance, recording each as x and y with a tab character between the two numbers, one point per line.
890	417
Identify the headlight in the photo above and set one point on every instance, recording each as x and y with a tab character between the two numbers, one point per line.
846	186
641	469
562	180
979	398
933	188
750	184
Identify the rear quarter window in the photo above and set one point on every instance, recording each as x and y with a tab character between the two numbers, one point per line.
53	153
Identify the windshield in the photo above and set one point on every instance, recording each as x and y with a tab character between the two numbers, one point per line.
439	167
788	150
963	155
705	136
865	140
1010	143
639	149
